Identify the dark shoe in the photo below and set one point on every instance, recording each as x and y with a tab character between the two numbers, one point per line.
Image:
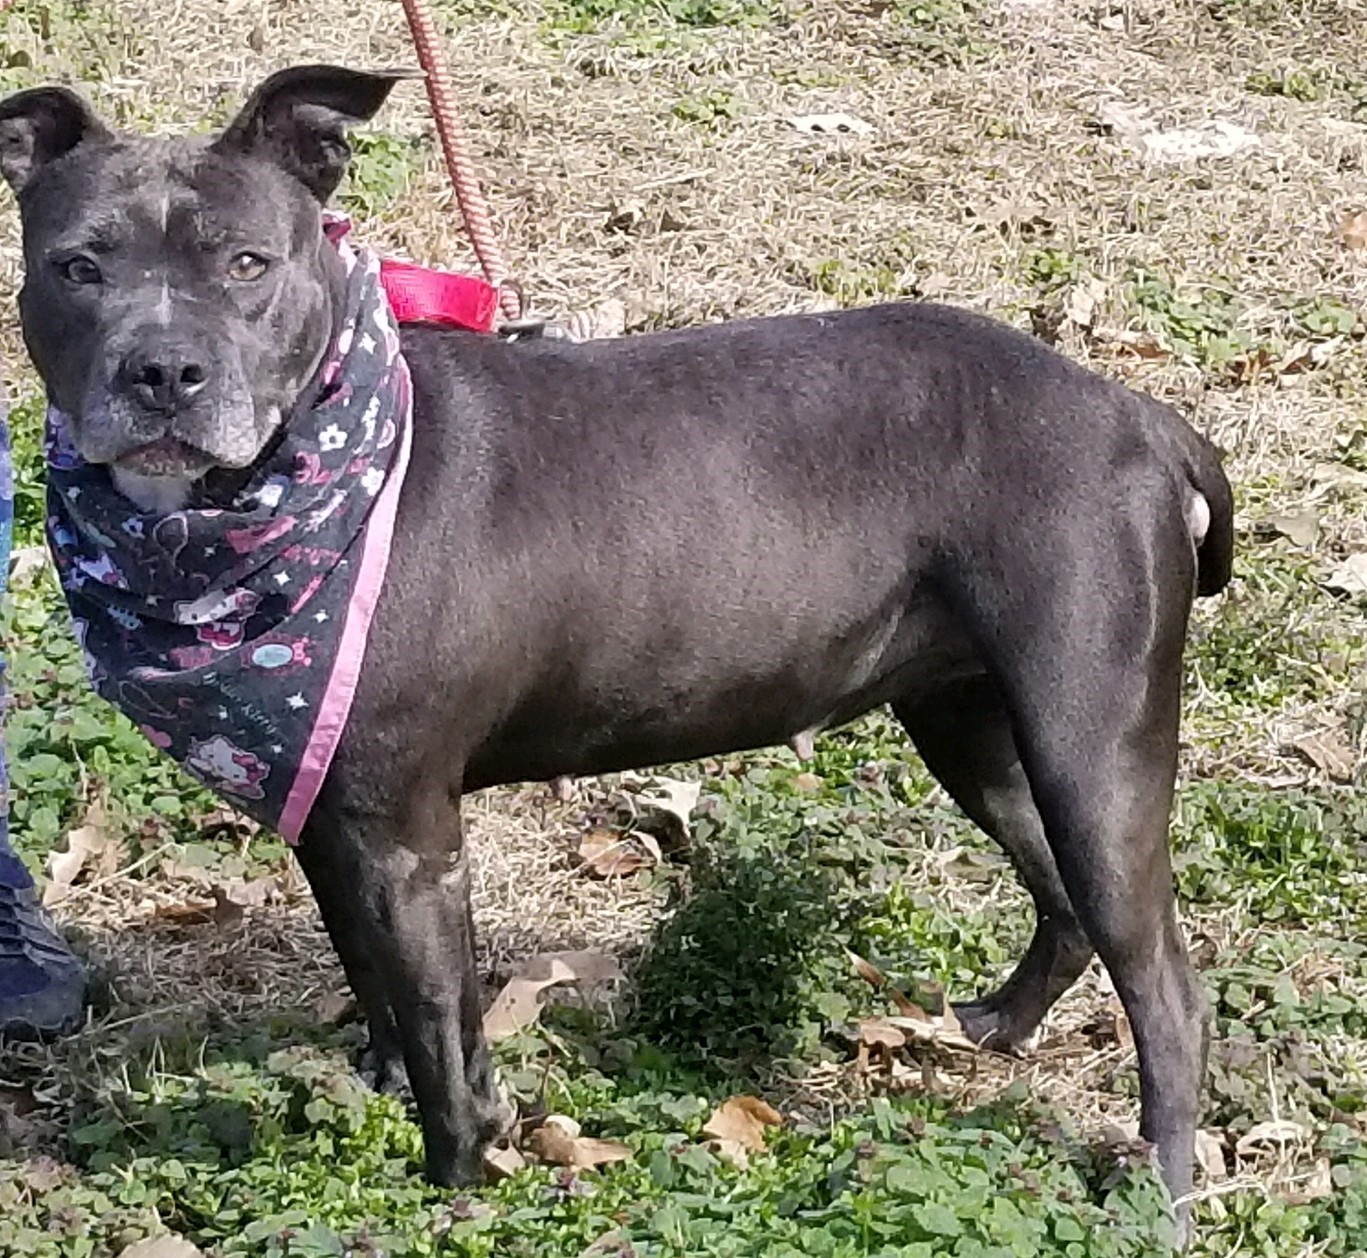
42	984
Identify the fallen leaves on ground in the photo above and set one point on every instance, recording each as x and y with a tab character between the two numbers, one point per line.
518	1005
1275	1132
1142	345
662	805
1210	1155
26	562
879	1041
91	847
167	1245
1082	301
737	1128
1302	527
1353	230
559	1141
1329	752
227	908
334	1008
876	979
1312	1187
1350	577
609	853
942	1029
500	1163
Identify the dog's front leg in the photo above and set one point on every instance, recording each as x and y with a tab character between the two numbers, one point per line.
338	874
410	901
434	988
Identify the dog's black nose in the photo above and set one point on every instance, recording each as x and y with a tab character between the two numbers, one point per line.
164	375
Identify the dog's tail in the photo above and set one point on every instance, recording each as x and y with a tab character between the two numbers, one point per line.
1215	510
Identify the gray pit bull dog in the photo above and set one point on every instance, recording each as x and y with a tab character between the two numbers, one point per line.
792	519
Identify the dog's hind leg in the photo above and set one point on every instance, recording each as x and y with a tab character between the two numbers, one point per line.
964	736
1092	674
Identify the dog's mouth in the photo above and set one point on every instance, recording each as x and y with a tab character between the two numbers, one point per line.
166	456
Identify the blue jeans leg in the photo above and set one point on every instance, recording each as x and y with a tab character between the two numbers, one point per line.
42	985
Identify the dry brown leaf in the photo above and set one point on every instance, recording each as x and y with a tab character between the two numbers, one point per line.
866	970
164	1246
1083	299
951	1026
587	968
182	871
1353	230
876	979
1210	1155
333	1008
1313	1187
1302	527
518	1005
1331	477
189	913
1115	1024
662	803
742	1121
877	1033
88	847
626	216
614	1244
807	783
610	853
25	562
1350	577
609	320
228	914
253	894
1329	753
558	1141
943	1030
965	863
1140	344
500	1163
1277	1131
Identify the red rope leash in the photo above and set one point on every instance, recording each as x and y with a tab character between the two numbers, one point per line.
469	196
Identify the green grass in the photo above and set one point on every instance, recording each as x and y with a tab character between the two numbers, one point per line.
257	1139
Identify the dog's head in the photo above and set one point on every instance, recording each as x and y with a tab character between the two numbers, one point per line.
178	292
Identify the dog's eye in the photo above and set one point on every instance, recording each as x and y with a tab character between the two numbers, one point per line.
247	266
81	270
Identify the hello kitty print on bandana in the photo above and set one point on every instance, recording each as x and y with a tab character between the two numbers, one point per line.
234	637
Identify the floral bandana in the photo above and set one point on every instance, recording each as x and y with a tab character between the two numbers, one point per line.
233	638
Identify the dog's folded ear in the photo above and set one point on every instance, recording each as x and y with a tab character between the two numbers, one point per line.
40	125
298	118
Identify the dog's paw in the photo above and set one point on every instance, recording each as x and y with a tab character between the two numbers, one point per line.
381	1069
992	1026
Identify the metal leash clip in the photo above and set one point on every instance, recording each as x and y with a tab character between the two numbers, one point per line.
533	329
